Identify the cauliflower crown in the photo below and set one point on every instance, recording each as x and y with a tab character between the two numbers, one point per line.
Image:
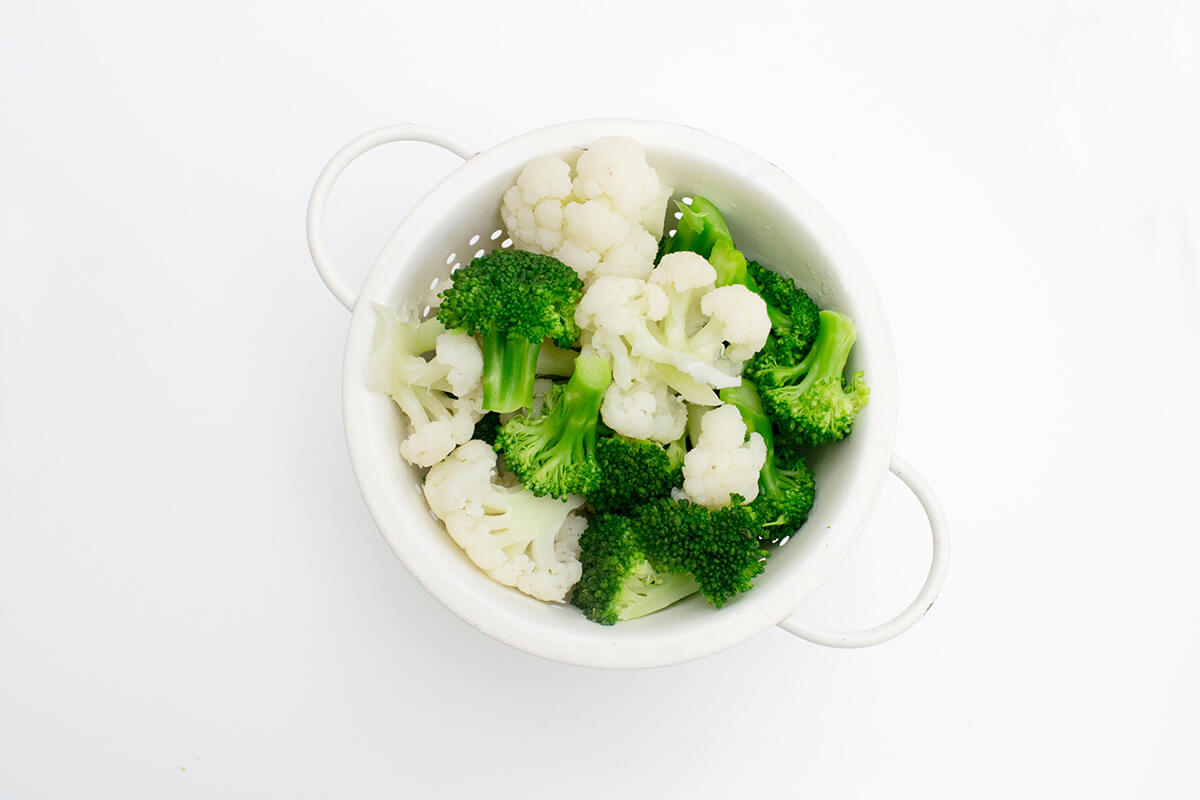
605	220
517	538
723	462
441	397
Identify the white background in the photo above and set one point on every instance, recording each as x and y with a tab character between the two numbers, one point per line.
194	601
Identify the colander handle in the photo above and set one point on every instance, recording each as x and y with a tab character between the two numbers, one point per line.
342	159
929	592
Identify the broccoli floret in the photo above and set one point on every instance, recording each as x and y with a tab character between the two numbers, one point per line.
810	401
786	488
618	581
719	548
554	453
701	229
513	300
664	551
634	471
794	319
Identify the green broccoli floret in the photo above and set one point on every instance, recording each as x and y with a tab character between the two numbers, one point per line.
718	548
701	229
785	486
663	551
513	300
554	453
619	582
634	471
810	401
794	319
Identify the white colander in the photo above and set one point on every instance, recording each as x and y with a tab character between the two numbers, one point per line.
772	219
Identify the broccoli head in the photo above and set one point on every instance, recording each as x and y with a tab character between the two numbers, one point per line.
719	548
786	488
554	452
513	300
810	401
633	471
794	319
619	582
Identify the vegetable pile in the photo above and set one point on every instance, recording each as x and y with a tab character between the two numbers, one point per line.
612	416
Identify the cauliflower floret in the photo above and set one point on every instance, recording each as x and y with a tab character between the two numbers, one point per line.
605	221
702	319
532	207
517	538
441	397
457	364
616	315
675	328
640	402
644	410
737	316
616	168
723	461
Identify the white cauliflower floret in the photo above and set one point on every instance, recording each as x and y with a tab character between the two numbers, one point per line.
617	316
737	317
517	538
616	168
605	221
675	329
723	461
702	319
532	207
442	396
644	410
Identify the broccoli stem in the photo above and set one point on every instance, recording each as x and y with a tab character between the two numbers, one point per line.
729	264
780	322
572	435
825	359
699	229
584	394
830	351
645	590
509	366
555	360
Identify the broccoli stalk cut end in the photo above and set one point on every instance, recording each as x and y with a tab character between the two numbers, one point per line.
644	590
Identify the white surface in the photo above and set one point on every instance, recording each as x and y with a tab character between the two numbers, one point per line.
194	602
